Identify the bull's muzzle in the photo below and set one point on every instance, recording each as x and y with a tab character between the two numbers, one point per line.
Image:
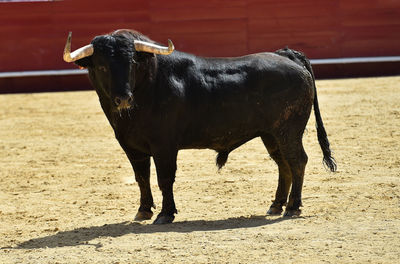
123	102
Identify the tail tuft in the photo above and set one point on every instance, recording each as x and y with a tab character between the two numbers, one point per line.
328	161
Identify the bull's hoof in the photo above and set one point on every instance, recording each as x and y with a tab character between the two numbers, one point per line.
163	219
274	210
292	212
143	215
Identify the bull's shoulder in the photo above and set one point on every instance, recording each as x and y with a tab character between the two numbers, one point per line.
176	62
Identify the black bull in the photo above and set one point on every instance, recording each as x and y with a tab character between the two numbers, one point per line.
159	104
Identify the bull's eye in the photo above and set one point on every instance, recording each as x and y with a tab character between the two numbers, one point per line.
103	68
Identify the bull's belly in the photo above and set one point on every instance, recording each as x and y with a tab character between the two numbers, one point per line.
223	144
220	138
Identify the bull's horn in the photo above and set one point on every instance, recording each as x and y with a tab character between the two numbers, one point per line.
80	53
154	48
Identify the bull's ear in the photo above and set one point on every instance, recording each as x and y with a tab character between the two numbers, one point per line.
85	62
145	56
144	59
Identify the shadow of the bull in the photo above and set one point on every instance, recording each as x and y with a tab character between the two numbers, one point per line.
83	235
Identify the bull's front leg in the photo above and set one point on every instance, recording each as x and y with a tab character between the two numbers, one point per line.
141	166
166	168
142	176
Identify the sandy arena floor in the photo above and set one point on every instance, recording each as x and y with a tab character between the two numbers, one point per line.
68	194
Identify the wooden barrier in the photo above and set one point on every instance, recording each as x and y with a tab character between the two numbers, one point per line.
34	33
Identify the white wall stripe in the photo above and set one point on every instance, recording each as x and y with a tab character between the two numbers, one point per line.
313	62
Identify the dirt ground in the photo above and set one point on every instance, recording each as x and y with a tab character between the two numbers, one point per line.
68	194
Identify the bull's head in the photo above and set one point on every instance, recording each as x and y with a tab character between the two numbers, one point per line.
112	61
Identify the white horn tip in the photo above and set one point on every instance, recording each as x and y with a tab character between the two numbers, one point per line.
171	46
67	49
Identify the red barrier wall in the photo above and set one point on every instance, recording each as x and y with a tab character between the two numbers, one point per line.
33	34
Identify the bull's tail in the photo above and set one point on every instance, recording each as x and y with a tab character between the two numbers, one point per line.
301	59
328	160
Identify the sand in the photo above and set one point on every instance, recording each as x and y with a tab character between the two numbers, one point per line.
68	194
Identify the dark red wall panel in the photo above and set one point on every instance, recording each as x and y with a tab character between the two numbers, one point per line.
33	34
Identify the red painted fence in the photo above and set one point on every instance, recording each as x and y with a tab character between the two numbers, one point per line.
33	34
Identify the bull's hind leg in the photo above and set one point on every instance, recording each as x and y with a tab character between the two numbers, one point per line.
293	152
285	176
